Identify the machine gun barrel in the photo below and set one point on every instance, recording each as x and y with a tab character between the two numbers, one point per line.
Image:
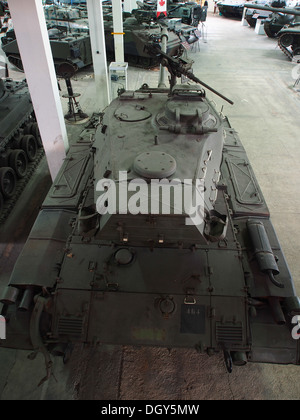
191	76
177	67
284	10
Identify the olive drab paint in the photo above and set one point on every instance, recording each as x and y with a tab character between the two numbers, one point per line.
149	278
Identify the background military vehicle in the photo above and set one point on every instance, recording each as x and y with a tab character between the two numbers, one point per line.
190	13
20	143
252	15
69	18
134	47
231	8
289	35
73	48
289	39
147	276
275	22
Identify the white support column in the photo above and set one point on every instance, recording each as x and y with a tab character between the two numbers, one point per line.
244	21
129	5
97	37
32	36
118	30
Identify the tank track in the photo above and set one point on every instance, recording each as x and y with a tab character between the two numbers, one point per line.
285	49
21	184
22	128
16	61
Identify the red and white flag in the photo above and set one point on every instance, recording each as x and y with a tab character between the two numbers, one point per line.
161	8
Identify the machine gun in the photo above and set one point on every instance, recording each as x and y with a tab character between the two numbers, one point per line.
177	67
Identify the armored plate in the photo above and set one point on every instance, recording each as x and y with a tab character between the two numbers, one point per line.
155	164
155	277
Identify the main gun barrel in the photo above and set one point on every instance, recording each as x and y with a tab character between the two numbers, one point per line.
284	10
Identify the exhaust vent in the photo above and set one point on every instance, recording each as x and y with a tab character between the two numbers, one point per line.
70	326
229	333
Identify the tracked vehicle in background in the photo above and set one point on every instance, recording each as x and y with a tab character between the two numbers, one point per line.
75	48
190	13
252	15
289	35
20	142
72	48
276	22
147	268
231	8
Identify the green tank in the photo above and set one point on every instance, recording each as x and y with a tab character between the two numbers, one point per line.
119	256
289	35
190	13
276	22
20	142
252	15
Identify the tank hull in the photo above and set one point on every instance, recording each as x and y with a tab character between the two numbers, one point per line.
75	50
150	279
289	41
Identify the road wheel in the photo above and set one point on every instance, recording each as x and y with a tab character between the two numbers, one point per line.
18	161
29	145
33	129
286	40
36	134
8	182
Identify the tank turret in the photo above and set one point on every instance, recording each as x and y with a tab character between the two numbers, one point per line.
251	15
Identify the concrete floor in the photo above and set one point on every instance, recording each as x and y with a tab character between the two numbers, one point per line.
256	75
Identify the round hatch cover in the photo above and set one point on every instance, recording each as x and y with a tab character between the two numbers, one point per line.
123	256
132	113
155	165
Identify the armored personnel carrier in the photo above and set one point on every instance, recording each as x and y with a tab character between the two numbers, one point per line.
289	35
75	48
19	142
72	48
157	234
